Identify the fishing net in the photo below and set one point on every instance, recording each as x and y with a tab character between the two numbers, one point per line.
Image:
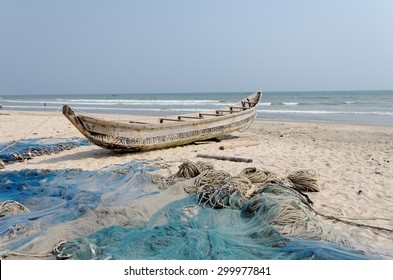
179	231
34	201
29	148
11	207
220	221
118	212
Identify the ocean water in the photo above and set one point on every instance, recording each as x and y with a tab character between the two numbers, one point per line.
374	107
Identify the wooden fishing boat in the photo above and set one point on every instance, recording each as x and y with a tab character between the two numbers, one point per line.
164	132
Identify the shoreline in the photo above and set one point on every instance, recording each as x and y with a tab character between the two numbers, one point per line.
354	162
260	117
115	115
325	122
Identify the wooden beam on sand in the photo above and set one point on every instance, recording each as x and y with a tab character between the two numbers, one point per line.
204	142
236	159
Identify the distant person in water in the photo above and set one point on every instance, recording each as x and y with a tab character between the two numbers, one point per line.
44	104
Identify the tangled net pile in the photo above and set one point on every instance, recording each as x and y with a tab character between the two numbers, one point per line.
254	215
33	202
254	189
219	189
186	171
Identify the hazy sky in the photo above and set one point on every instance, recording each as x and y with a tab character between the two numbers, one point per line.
77	46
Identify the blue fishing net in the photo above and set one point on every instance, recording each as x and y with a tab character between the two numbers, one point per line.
29	148
57	196
179	231
276	223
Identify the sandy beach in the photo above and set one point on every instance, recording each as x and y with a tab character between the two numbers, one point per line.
354	163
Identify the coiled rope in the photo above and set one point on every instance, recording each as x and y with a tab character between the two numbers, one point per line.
304	180
218	189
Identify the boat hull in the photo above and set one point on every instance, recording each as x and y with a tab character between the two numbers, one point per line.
134	136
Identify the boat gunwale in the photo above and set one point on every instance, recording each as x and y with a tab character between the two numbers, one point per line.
175	124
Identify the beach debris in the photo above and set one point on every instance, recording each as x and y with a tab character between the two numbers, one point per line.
236	159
